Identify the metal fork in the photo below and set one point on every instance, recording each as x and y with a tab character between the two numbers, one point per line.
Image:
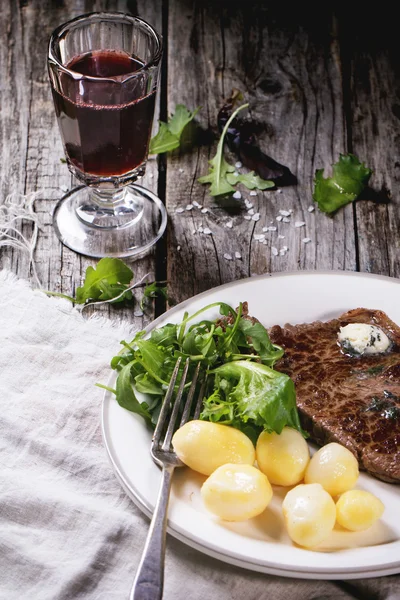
149	579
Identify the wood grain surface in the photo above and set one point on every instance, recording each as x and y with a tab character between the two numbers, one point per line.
316	88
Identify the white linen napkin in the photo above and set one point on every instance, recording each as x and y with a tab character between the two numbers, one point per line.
67	529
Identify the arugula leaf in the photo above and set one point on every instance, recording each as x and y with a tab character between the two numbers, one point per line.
126	396
105	281
221	173
260	341
349	177
169	134
218	165
250	180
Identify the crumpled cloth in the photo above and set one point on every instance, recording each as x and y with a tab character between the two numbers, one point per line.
67	529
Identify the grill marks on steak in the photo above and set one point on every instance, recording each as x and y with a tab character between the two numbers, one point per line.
351	400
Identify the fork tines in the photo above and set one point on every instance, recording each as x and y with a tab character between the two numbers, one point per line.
168	418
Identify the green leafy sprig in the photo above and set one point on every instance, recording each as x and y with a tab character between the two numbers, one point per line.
111	282
221	175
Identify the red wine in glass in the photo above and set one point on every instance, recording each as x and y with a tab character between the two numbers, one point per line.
105	133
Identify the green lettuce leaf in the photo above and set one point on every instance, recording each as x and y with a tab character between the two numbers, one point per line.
349	178
252	394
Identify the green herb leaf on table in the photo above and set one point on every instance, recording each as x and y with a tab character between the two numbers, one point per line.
221	174
349	178
105	282
169	134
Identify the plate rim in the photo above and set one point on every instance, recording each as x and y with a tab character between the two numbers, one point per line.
333	573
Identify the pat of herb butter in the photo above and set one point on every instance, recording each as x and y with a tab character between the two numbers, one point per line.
361	338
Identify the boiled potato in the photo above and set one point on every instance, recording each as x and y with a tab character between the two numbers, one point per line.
357	510
205	446
236	492
309	513
334	467
282	457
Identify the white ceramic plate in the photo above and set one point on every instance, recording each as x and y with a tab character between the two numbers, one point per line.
261	544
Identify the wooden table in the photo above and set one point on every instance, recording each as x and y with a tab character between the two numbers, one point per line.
319	85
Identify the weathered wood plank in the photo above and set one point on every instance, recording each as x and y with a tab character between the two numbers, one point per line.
36	143
288	67
375	129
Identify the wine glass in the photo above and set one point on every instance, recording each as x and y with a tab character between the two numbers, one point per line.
104	70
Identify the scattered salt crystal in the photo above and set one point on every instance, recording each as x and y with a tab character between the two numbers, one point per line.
227	256
151	175
193	231
272	228
204	210
279	191
282	252
265	228
306	240
229	224
179	210
207	231
200	229
311	208
259	237
180	170
247	217
138	313
64	188
236	174
238	255
178	248
237	195
248	204
251	211
253	193
284	213
299	224
279	218
281	237
238	164
189	207
274	251
285	248
256	217
196	204
265	242
286	220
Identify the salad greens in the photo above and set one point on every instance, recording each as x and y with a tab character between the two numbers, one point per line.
169	134
237	355
349	178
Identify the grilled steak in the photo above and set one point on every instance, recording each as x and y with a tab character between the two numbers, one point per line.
352	400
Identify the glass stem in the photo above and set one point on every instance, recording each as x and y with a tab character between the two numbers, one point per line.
107	199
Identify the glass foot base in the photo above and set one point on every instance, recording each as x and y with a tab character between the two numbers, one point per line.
128	226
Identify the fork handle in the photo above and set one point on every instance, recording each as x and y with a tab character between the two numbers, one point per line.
149	579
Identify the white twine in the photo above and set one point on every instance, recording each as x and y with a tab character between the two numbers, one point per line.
15	209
